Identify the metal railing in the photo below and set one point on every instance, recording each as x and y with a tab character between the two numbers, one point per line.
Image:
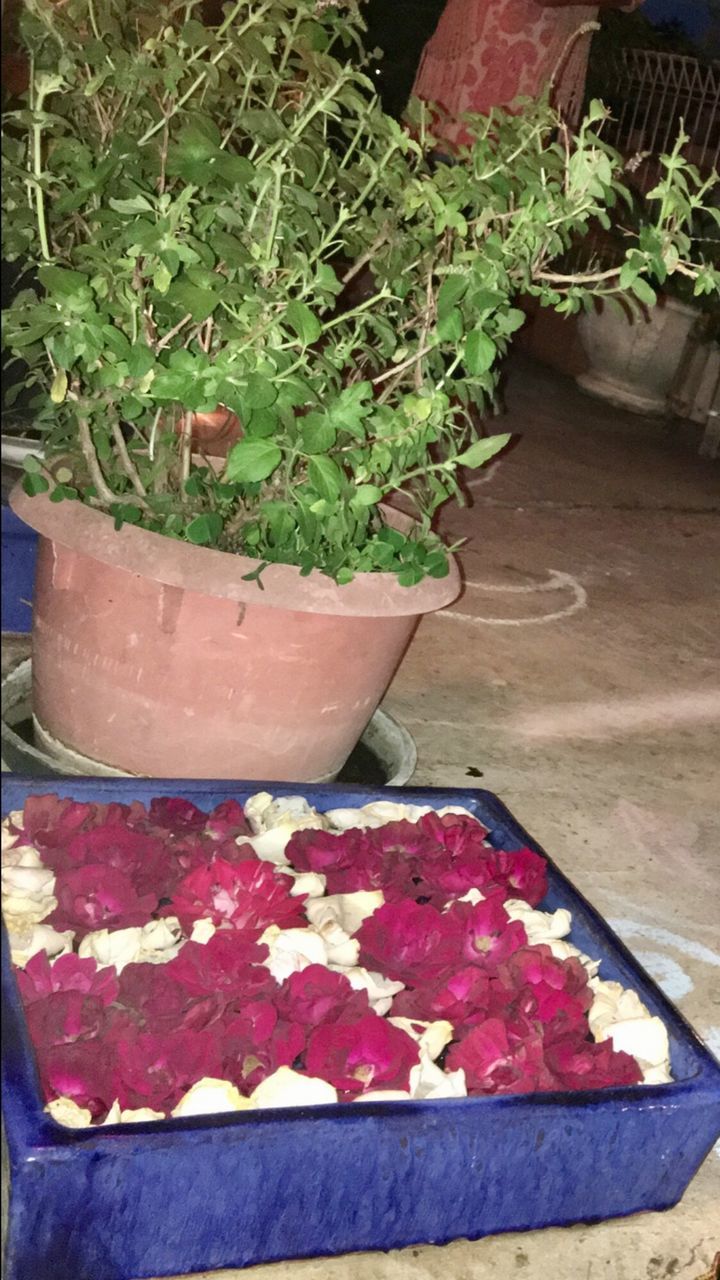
652	94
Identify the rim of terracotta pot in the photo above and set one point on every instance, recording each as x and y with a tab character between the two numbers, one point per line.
220	573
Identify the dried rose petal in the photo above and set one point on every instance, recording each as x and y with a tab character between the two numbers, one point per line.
362	1055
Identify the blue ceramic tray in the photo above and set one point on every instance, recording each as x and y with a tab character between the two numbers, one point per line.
199	1194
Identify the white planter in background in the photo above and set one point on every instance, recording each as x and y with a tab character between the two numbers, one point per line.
634	358
16	448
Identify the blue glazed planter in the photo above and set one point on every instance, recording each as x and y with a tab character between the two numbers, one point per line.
19	552
126	1202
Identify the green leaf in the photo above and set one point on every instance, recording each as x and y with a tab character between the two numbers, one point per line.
32	464
172	384
480	352
482	451
61	492
204	529
259	392
303	322
437	564
58	390
116	341
410	575
252	460
140	361
261	423
194	34
162	278
34	484
125	513
256	575
61	281
343	576
200	303
644	292
325	477
513	320
450	326
318	435
452	289
136	204
237	170
366	495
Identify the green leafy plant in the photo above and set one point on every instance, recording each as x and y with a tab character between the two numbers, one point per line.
225	216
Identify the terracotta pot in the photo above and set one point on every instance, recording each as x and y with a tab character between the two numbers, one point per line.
634	359
214	433
156	657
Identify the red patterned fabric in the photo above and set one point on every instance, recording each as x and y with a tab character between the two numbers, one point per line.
488	53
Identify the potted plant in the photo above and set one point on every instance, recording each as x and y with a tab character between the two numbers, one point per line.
636	352
201	204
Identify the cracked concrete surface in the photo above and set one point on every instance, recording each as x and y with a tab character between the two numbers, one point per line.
578	677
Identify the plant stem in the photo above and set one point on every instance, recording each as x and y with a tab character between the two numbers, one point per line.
185	446
105	494
356	311
217	57
37	174
127	463
406	364
165	342
366	257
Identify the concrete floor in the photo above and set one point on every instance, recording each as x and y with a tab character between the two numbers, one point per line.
578	677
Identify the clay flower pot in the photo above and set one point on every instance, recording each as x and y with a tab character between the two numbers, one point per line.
215	433
157	657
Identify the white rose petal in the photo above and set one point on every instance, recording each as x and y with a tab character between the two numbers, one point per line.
269	846
427	1081
348	910
380	812
657	1075
341	948
645	1039
27	895
384	1095
202	931
132	1115
563	950
379	988
116	947
136	1115
265	814
292	950
22	855
612	1003
39	937
618	1014
66	1112
432	1037
473	896
27	881
160	940
305	883
209	1096
540	926
155	943
10	837
287	1088
274	821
